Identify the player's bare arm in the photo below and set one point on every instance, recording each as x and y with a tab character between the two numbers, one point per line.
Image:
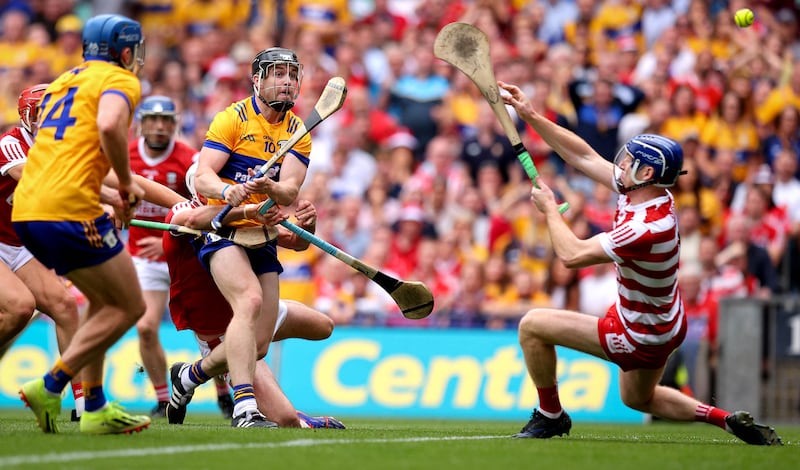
574	252
156	193
208	183
574	150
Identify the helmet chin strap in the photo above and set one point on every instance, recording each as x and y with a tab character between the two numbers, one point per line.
623	190
277	105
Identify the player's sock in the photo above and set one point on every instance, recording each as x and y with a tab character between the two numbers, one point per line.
710	414
244	399
58	378
77	395
94	396
549	404
194	376
162	392
222	388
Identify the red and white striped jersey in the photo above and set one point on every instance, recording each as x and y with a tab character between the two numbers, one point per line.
14	146
645	246
168	169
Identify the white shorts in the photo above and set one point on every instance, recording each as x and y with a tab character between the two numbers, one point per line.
153	275
14	257
207	346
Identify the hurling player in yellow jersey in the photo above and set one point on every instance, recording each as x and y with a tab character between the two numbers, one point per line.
241	139
83	133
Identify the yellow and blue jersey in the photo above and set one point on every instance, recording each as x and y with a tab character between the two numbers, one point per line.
242	132
66	165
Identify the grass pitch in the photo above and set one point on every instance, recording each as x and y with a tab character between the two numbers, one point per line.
207	441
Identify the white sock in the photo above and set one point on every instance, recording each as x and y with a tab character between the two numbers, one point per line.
245	406
79	406
550	415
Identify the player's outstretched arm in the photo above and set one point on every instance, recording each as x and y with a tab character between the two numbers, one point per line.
574	150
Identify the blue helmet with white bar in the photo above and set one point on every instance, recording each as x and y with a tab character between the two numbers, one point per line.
663	155
156	105
105	37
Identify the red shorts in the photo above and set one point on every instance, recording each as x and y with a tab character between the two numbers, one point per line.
622	351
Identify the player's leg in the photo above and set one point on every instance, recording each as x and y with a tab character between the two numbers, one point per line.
54	299
277	407
272	402
640	390
304	322
254	302
540	330
115	304
154	279
16	305
224	400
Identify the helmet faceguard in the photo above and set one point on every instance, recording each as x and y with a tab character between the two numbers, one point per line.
28	105
278	72
664	156
157	107
105	37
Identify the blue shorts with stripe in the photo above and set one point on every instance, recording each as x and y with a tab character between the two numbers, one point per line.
66	245
262	260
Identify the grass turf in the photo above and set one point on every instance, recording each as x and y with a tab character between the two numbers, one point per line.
207	441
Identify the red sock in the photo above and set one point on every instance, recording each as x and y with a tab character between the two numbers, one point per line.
548	400
77	391
711	415
222	388
162	393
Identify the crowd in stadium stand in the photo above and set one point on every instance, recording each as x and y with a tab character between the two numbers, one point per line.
414	174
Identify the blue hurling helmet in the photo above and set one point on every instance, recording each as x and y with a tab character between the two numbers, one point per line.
156	105
105	37
663	155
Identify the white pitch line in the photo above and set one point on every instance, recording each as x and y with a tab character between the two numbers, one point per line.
172	450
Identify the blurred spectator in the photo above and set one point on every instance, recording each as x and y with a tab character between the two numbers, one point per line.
757	262
786	135
597	289
599	107
562	285
684	121
16	51
405	242
486	143
527	291
689	225
556	14
769	225
690	191
348	233
786	188
328	18
467	300
388	25
787	93
699	348
730	129
67	50
414	95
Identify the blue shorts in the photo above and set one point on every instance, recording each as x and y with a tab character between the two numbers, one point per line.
262	260
67	246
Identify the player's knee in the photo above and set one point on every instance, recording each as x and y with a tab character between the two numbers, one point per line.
147	332
325	327
20	308
531	323
635	400
63	309
249	305
261	349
